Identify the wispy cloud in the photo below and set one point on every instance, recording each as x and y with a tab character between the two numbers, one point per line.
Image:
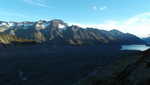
96	8
138	25
40	3
103	8
140	18
107	25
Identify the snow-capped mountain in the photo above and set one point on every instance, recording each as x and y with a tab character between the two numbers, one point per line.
58	32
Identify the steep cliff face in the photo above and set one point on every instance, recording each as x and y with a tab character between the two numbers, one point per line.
130	70
58	32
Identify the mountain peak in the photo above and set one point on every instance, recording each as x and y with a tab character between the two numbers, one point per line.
57	23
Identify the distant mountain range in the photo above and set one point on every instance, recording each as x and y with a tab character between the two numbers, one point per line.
60	33
147	40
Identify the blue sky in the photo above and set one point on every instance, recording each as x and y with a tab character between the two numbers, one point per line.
125	15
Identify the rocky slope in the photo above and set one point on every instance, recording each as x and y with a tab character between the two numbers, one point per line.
129	70
58	32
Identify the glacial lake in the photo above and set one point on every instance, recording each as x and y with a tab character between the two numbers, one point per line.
135	47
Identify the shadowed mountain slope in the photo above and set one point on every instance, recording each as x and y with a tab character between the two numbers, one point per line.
129	70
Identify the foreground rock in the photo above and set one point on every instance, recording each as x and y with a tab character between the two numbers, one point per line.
130	70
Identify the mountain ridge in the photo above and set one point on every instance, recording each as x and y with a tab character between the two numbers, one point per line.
58	32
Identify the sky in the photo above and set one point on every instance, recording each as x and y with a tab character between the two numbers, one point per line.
132	16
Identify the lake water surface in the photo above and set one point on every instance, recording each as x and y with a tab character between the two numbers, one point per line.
135	47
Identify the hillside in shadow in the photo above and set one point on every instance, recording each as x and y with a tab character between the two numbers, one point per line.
129	70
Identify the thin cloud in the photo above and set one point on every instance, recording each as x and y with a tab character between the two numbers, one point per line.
138	25
96	8
103	8
107	25
40	3
140	18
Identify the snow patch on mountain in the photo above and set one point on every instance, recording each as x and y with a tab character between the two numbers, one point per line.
10	24
61	26
41	25
3	24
